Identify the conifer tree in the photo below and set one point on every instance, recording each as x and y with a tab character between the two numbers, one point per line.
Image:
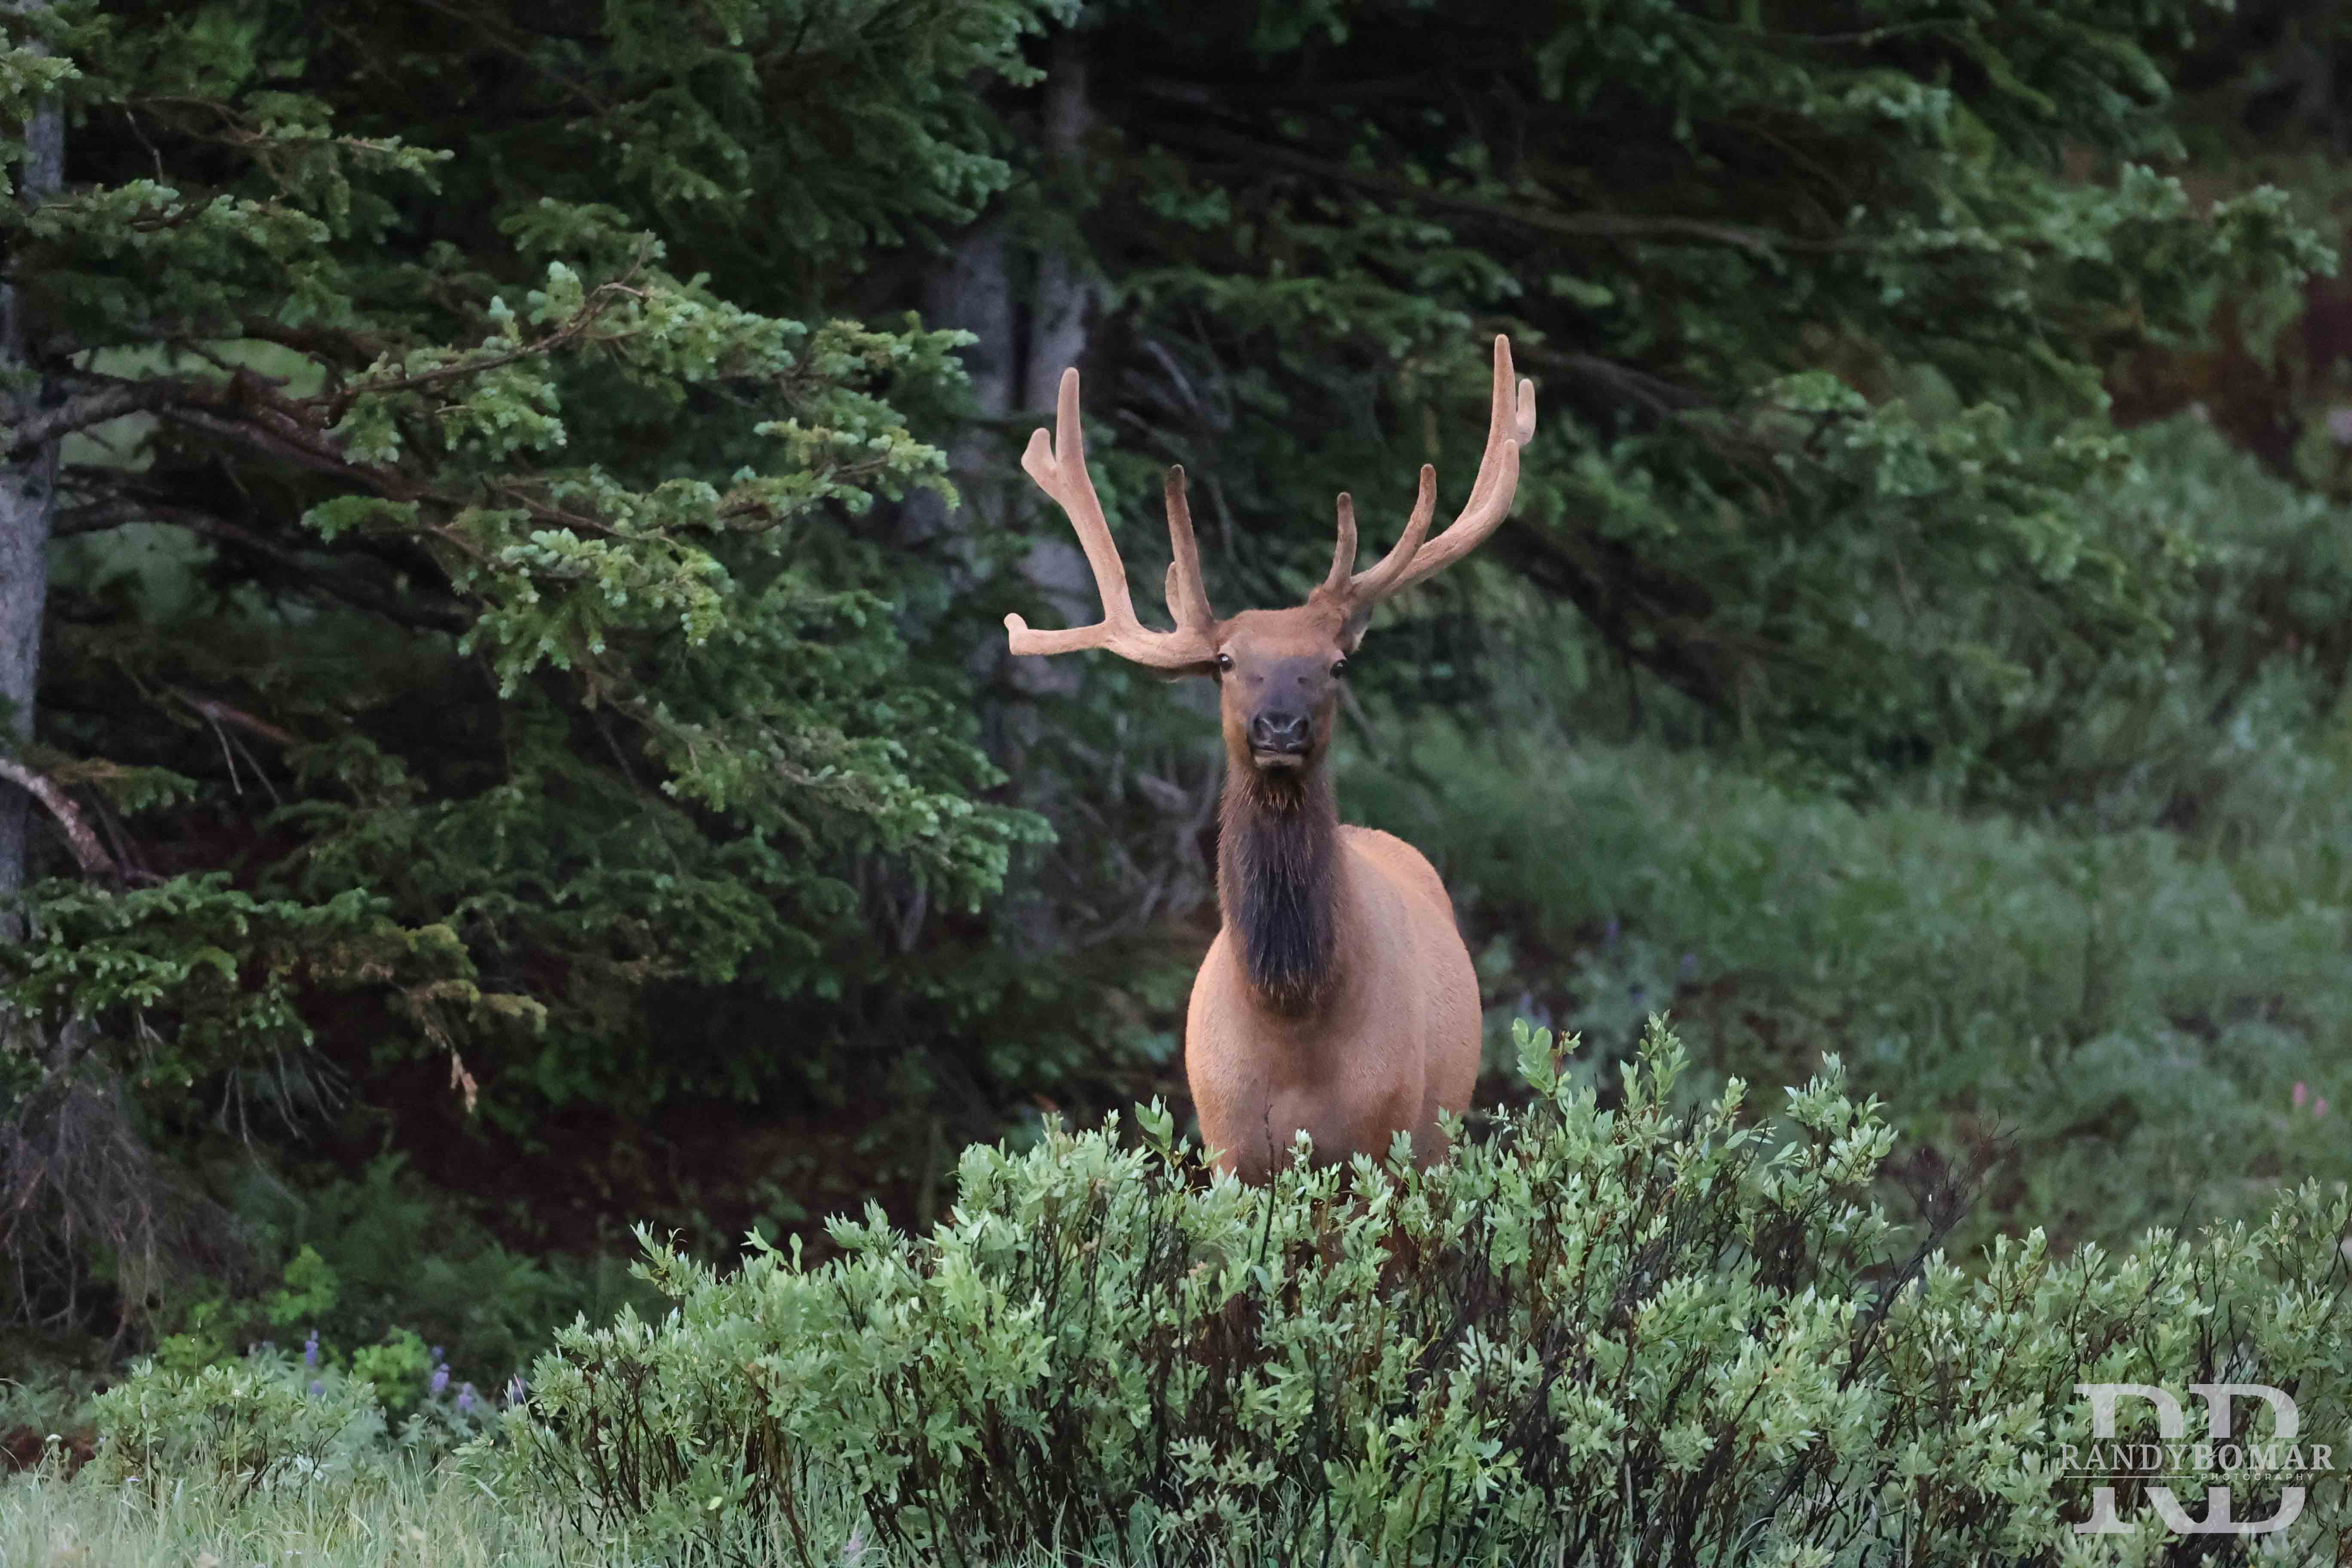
466	603
1821	298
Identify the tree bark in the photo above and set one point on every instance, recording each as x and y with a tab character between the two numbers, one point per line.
1032	304
973	293
28	491
1064	300
1062	305
1016	368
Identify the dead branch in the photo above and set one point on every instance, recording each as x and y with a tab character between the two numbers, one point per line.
90	408
123	503
86	1208
220	712
95	861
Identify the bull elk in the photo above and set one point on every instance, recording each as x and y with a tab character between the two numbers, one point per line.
1338	997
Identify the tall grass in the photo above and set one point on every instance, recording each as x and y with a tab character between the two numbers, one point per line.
404	1518
2121	1021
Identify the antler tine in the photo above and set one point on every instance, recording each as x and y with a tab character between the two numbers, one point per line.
1343	553
1369	587
1058	465
1511	424
1188	598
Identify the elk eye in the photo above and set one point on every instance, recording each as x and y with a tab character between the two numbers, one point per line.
1224	661
1338	667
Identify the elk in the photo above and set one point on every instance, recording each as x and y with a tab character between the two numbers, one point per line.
1337	998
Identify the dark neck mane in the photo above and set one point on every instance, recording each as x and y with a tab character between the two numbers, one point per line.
1277	867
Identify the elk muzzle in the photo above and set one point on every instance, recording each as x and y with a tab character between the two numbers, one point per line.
1281	738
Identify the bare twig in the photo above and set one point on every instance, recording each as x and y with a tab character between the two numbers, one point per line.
459	1079
220	712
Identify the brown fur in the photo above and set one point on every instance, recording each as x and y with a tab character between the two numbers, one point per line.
1338	999
1383	1032
1277	857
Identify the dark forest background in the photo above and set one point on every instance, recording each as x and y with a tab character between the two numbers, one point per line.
512	507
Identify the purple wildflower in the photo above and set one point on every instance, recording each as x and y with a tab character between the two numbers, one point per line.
439	1382
317	1386
465	1398
310	1348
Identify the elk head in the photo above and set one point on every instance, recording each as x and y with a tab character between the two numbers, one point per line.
1277	670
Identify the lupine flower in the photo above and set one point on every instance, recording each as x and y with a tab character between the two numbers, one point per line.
2300	1094
436	1355
317	1386
310	1348
853	1550
465	1397
439	1382
2319	1107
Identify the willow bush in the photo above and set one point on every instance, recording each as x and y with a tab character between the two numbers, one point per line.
1657	1331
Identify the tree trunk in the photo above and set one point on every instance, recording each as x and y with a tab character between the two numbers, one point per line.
1061	309
1016	368
1064	300
973	293
28	491
1027	337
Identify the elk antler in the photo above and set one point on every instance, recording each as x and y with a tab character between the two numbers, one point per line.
1058	465
1510	425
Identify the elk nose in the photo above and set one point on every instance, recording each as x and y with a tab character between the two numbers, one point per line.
1279	731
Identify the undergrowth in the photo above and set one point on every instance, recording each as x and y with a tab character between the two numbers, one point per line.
2128	1032
1668	1331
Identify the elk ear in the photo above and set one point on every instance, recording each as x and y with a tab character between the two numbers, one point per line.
1351	630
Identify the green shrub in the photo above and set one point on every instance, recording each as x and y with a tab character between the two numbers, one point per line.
1658	1332
407	1256
43	1397
276	1420
397	1279
241	1427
